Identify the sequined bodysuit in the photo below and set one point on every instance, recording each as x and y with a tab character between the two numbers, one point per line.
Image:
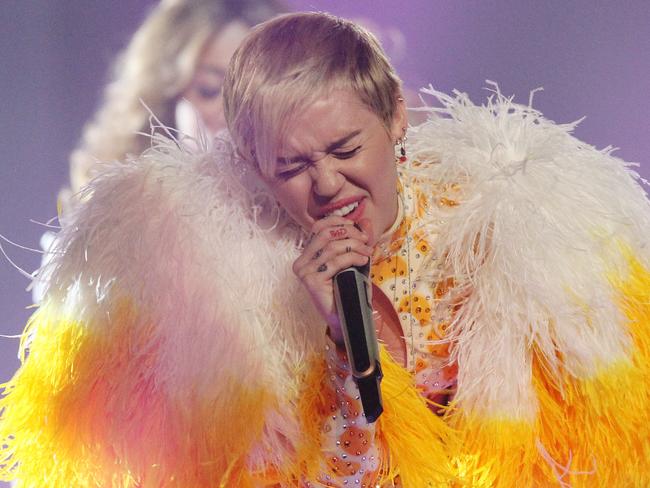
406	270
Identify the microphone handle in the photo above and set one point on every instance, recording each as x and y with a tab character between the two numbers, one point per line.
354	306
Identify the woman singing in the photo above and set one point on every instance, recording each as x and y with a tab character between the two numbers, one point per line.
189	336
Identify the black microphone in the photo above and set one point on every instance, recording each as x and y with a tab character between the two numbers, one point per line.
352	292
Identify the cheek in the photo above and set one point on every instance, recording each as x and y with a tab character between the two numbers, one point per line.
206	107
293	197
385	170
215	120
385	190
211	111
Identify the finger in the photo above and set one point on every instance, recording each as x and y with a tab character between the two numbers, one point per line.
335	227
335	248
337	232
306	265
331	221
315	247
316	274
366	227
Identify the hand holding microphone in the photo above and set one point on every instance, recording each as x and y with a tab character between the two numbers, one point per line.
334	265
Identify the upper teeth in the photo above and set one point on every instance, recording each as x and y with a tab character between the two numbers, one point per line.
343	211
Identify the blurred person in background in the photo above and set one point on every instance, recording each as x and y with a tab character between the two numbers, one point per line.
173	69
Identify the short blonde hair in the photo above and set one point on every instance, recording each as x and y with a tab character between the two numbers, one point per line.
288	62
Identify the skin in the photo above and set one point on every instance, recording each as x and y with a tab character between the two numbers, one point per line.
337	152
204	90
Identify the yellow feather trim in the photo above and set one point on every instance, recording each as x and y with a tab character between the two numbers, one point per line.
87	408
418	442
588	432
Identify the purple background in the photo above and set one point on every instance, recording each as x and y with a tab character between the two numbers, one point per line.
591	58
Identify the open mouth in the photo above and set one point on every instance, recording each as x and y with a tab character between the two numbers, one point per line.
345	210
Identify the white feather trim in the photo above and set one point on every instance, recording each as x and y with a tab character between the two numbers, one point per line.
533	242
531	245
177	232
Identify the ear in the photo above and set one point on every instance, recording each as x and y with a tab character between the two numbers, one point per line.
400	120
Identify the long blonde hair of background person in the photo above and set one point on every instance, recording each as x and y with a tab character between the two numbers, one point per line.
154	69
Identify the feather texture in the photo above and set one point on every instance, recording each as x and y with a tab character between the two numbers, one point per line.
171	309
533	240
548	244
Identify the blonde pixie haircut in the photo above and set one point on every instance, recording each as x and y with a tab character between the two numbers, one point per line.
287	63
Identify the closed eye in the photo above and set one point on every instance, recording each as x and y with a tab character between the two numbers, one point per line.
208	92
290	170
346	154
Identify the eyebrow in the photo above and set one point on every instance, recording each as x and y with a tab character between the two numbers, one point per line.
332	147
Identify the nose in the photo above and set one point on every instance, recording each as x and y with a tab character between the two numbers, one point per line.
327	179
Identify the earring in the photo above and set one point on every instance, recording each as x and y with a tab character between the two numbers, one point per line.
402	146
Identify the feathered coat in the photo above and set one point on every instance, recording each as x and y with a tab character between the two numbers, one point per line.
174	346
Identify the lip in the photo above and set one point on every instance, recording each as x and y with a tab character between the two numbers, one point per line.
331	207
357	213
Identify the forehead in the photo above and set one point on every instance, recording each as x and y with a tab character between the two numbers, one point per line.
330	117
222	45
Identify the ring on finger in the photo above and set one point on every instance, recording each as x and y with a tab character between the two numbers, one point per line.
348	248
322	268
317	254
